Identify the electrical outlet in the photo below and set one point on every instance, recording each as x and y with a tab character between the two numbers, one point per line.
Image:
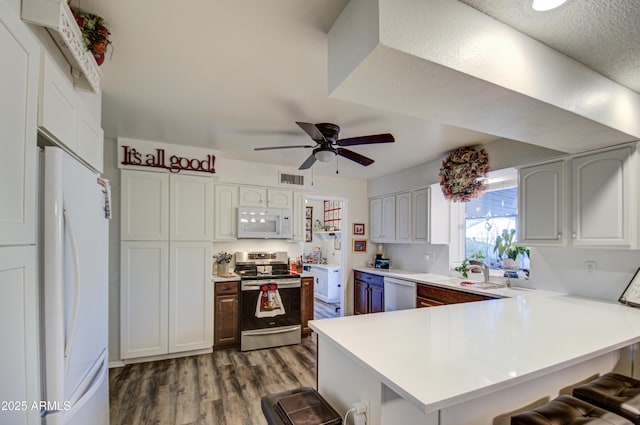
590	266
360	412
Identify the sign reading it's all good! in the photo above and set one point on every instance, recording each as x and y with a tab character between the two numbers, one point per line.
173	163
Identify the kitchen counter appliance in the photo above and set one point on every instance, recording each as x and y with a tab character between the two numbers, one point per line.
270	300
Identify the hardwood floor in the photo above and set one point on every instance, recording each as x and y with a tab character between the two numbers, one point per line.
222	388
322	310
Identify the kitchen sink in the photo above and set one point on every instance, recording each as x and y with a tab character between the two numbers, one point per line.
482	285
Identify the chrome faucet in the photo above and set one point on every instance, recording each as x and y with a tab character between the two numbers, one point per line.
473	264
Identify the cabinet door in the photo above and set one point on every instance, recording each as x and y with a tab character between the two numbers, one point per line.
59	111
19	317
361	297
298	233
278	198
91	140
253	196
227	326
376	299
225	216
306	304
403	217
541	197
144	206
420	215
439	216
144	272
190	296
321	283
389	219
18	120
602	198
375	219
333	285
190	208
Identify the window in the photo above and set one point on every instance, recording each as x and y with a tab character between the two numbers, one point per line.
488	216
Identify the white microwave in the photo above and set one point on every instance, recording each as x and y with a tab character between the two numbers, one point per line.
264	223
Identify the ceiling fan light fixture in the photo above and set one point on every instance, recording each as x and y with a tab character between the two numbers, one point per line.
324	155
544	5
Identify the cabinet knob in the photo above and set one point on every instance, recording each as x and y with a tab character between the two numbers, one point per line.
559	236
573	235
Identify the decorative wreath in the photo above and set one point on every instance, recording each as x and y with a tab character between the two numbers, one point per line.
461	173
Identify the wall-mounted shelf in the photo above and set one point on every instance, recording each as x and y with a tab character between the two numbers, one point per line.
326	235
56	17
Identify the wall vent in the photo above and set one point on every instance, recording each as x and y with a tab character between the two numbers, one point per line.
293	179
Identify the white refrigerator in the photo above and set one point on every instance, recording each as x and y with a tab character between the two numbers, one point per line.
74	320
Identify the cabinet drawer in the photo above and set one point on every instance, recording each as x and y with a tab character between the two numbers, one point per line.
427	302
448	296
223	288
369	278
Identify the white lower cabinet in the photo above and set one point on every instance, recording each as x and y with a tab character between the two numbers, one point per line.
190	296
19	367
166	298
144	299
327	284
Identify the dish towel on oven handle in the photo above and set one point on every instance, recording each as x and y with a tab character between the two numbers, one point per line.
269	302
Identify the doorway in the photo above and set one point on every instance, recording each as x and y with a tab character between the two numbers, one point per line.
324	254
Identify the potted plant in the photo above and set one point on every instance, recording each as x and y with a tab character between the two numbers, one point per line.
508	249
463	269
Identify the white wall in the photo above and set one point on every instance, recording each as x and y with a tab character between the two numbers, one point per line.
352	191
559	269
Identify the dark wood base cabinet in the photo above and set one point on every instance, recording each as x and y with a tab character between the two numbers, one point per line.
369	293
431	296
306	304
227	314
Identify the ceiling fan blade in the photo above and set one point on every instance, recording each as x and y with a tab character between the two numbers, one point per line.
282	147
354	156
308	163
367	140
312	131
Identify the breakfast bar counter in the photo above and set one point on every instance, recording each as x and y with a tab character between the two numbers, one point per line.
471	363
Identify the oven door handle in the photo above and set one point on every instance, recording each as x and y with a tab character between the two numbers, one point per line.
250	286
275	331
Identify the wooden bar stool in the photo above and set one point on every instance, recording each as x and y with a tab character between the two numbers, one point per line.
567	410
617	393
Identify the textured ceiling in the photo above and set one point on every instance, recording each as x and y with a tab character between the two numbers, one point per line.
234	75
602	34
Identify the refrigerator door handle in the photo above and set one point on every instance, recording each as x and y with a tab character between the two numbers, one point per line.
76	279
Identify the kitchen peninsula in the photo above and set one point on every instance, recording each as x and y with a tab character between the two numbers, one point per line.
471	363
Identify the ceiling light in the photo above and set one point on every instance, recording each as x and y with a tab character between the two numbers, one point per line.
324	155
544	5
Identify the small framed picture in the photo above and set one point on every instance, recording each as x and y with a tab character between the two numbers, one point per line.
631	294
359	245
309	212
358	228
308	236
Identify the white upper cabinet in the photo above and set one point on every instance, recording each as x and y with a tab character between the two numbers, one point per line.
225	217
375	219
541	204
144	206
388	219
58	114
299	210
91	137
604	197
420	215
18	120
278	198
403	217
191	208
253	196
601	210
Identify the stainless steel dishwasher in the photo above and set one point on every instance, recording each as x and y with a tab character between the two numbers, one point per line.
399	294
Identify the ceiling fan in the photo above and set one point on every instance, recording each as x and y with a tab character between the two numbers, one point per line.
328	145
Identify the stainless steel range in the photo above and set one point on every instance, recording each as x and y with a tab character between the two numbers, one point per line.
270	300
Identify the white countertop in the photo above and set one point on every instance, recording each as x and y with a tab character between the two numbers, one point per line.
441	356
